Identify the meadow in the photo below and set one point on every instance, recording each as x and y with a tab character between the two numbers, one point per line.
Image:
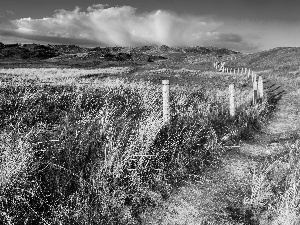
98	152
90	146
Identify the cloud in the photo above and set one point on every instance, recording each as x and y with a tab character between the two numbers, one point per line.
24	34
122	26
8	13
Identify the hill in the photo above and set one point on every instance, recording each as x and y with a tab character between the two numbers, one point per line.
277	58
89	145
144	53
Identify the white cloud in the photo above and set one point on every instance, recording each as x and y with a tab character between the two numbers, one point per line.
124	26
95	7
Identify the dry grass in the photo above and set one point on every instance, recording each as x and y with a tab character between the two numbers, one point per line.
93	149
99	153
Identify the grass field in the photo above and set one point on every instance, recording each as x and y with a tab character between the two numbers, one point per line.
99	153
90	147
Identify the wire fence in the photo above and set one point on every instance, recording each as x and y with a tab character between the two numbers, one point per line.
236	98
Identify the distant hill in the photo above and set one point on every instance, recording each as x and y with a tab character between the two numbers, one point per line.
30	51
144	53
271	59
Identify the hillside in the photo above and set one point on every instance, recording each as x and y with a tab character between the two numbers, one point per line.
40	52
83	139
277	58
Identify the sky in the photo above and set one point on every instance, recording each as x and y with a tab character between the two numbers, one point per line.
243	25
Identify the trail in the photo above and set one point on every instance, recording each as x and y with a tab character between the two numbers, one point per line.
220	191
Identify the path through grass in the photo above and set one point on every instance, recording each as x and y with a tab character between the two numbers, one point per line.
228	193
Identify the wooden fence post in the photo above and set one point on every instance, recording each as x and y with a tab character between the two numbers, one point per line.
249	73
260	87
166	101
231	101
254	92
245	71
254	77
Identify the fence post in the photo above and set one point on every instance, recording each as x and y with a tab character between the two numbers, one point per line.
249	73
245	71
254	77
166	101
231	101
238	70
260	87
254	91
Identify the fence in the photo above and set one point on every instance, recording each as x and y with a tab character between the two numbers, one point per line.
257	90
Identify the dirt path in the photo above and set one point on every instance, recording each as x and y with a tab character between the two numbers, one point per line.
220	192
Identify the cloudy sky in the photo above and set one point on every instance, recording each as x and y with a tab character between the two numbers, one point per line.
243	25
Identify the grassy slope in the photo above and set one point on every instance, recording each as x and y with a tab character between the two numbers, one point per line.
60	144
99	153
275	59
248	187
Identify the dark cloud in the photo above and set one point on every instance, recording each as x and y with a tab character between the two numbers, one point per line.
7	14
47	39
230	41
228	37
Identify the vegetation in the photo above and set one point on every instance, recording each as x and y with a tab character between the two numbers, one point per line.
101	155
90	147
274	195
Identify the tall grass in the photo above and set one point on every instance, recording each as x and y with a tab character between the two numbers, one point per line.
79	155
274	196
